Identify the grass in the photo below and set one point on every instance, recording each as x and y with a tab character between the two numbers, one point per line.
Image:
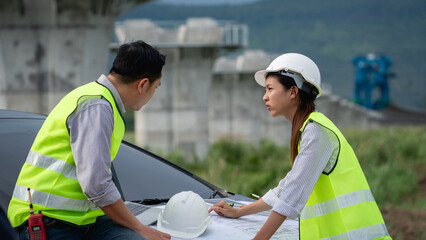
393	161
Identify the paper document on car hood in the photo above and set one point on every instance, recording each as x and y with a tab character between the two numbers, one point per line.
246	227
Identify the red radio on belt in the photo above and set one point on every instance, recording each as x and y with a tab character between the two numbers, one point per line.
35	223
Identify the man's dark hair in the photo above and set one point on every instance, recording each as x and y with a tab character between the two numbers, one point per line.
138	60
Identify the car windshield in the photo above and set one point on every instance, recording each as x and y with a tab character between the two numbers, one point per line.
143	175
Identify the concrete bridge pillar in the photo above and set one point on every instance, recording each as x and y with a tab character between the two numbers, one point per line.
49	47
177	117
236	108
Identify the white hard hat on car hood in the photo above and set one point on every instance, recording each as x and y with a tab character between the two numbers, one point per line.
185	216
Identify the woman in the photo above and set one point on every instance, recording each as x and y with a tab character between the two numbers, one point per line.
326	188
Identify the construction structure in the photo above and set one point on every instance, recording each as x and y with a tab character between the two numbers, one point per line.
372	71
236	108
206	95
237	111
177	117
49	47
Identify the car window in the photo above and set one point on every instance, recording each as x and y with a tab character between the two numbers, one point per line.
143	175
16	138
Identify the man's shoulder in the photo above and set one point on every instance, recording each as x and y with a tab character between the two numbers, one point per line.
93	106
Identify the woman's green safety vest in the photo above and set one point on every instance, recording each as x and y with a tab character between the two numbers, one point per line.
50	170
341	205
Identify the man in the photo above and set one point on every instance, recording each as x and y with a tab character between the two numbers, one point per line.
68	166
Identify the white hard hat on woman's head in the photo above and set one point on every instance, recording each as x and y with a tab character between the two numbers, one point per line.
185	216
294	65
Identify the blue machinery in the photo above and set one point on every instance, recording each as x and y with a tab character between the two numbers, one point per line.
372	72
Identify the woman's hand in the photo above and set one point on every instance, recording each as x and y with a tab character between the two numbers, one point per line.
223	209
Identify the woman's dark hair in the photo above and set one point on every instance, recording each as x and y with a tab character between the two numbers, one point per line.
306	106
138	60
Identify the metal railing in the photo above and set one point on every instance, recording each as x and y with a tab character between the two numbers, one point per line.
181	33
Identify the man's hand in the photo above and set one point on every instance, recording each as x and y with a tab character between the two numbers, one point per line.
119	213
153	234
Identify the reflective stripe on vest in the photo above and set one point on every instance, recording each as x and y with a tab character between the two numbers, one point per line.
51	163
52	201
51	159
337	203
369	232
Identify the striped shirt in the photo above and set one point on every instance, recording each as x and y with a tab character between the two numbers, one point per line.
91	127
318	152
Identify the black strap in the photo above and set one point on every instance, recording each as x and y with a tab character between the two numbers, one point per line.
309	88
115	180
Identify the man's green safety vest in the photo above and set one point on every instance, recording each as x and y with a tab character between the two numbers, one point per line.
50	170
341	205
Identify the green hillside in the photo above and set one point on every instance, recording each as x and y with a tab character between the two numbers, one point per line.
331	32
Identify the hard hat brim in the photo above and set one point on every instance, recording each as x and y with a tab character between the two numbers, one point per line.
259	76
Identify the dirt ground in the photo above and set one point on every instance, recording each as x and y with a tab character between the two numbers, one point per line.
406	224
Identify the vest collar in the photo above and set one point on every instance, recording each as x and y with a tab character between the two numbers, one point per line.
306	122
104	81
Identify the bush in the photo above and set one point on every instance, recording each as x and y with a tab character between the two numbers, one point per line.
393	161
